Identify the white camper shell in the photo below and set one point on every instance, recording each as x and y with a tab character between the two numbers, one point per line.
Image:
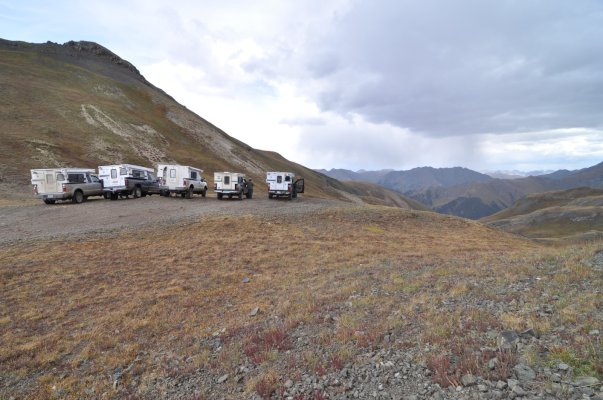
75	184
230	184
127	179
284	184
181	179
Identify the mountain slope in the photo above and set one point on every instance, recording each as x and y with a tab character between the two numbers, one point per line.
568	214
79	104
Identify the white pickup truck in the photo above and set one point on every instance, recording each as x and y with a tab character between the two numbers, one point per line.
75	184
181	179
232	184
284	184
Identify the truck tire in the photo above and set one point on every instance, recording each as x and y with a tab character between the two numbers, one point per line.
230	195
269	195
189	193
220	196
106	196
137	192
78	197
49	201
203	192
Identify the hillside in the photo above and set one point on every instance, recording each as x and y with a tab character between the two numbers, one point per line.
79	104
562	215
353	300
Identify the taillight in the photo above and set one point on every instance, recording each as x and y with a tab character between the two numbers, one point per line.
35	188
215	186
289	187
126	182
64	188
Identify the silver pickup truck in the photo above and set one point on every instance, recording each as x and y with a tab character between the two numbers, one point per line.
75	184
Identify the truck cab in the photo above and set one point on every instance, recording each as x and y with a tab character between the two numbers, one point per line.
75	184
284	184
232	184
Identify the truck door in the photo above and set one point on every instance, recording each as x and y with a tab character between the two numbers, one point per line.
299	185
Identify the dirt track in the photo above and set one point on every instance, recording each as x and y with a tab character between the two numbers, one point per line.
99	216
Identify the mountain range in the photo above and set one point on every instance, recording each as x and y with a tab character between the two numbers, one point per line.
470	194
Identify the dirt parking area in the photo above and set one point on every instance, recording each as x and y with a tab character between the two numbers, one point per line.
101	217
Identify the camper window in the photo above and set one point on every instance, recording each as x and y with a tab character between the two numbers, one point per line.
227	180
287	178
279	179
194	175
49	178
113	174
60	177
172	173
123	171
75	178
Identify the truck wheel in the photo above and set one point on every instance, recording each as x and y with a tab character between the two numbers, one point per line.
189	193
78	197
203	192
230	196
269	195
49	201
137	192
114	196
106	195
220	196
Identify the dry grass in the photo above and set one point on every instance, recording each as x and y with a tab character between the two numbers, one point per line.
74	312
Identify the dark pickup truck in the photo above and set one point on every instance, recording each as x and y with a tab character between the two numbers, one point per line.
126	180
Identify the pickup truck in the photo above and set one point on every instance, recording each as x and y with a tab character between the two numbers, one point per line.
75	184
284	184
124	180
232	184
181	180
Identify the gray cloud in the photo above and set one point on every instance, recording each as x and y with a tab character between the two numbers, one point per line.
465	67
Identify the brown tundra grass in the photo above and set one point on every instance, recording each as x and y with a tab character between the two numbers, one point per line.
75	310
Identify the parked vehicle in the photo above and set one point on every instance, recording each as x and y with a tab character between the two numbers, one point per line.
232	184
181	179
284	184
123	180
75	184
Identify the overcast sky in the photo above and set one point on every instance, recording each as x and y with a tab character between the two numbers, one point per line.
489	85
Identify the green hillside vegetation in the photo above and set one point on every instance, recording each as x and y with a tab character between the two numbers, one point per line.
568	215
80	105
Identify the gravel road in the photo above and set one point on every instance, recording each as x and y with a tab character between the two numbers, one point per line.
99	216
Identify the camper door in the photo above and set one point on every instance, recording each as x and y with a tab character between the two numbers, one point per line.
299	185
